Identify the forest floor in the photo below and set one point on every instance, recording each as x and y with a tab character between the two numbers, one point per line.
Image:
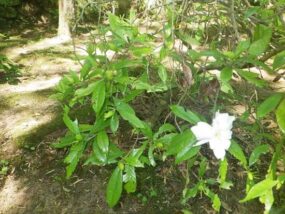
30	122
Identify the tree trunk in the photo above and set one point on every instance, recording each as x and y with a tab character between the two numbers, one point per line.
66	12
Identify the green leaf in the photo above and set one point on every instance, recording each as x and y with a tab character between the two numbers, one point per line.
237	152
259	189
242	46
226	87
121	28
223	169
130	179
202	167
65	142
280	115
128	113
190	193
114	187
73	157
261	39
114	123
88	64
140	51
216	203
71	125
259	150
268	105
262	32
162	73
83	92
180	142
150	155
167	127
187	153
279	60
114	153
103	141
226	74
133	158
98	154
188	115
252	78
98	96
258	47
267	199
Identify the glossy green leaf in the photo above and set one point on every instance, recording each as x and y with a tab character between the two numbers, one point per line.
280	115
237	152
259	189
98	96
71	125
103	141
180	142
130	179
98	154
268	105
114	123
114	187
133	159
188	115
187	153
114	153
128	113
73	157
257	152
151	156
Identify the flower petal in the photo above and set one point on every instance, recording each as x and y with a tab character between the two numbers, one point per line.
219	153
201	142
223	121
225	144
203	131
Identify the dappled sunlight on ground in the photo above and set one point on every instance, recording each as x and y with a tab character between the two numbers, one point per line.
11	195
31	86
15	52
25	113
24	108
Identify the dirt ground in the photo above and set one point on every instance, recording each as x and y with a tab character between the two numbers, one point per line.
35	181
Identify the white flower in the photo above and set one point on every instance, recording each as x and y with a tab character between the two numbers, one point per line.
218	134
